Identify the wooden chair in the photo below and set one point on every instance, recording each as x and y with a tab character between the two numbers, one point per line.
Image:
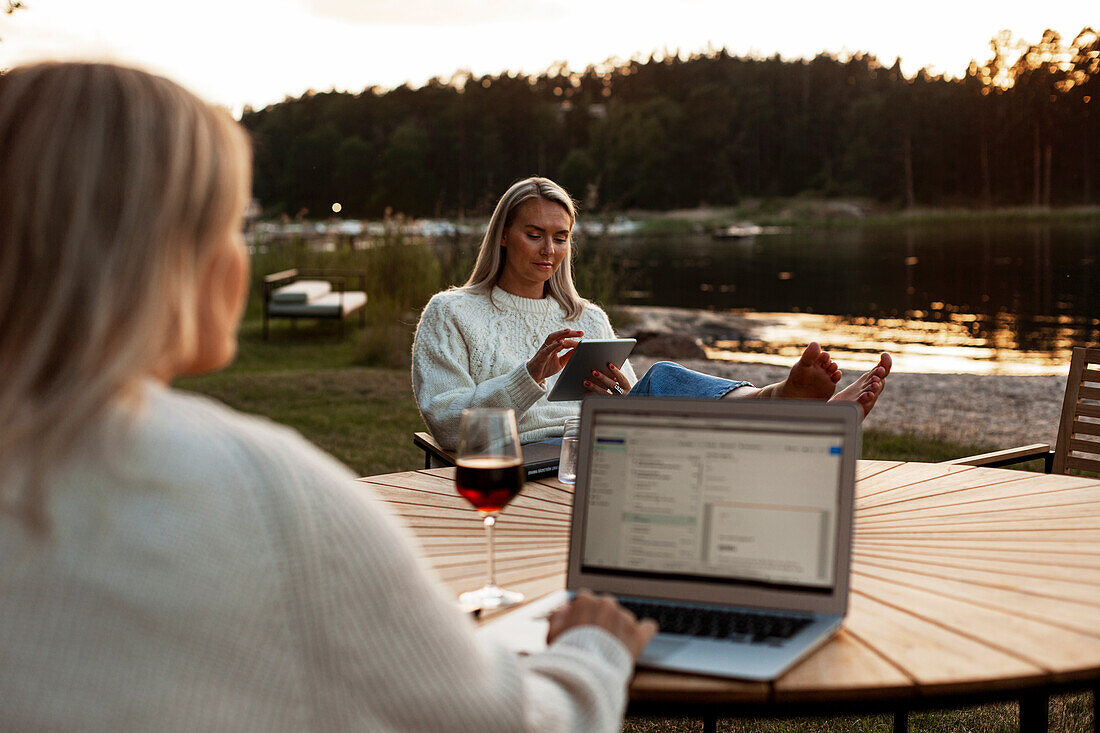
1078	443
435	455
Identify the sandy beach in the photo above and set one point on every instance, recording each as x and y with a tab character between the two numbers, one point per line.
985	410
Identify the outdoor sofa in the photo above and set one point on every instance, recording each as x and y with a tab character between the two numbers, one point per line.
319	294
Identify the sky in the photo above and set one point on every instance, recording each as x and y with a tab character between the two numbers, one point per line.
256	52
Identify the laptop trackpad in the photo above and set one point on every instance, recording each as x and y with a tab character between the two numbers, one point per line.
662	647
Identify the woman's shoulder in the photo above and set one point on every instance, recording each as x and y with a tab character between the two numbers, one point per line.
209	439
593	316
591	309
264	470
454	302
457	297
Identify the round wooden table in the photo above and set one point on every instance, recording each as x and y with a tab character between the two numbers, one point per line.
968	585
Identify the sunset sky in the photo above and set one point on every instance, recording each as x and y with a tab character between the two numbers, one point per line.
238	52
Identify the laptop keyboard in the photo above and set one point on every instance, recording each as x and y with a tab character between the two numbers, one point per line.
756	628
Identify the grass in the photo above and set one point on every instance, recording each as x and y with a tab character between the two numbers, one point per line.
365	416
1065	714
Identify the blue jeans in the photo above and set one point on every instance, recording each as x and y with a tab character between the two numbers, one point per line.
668	379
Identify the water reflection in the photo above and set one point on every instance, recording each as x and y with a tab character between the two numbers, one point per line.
916	345
988	297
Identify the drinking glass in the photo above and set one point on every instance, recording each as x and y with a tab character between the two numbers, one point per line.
489	473
570	441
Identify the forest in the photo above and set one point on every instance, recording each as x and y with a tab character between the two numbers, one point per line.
710	128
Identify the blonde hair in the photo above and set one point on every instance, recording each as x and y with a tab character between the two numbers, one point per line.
118	185
490	257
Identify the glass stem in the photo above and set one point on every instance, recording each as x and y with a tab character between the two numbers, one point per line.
490	520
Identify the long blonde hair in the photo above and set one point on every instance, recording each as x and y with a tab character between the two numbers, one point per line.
117	186
490	257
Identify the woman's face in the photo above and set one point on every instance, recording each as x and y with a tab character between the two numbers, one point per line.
535	245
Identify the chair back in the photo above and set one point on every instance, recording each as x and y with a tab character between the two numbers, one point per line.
276	280
1078	445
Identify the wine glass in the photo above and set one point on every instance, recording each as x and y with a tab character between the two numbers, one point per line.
489	473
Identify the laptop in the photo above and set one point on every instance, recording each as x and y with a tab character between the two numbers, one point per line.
728	521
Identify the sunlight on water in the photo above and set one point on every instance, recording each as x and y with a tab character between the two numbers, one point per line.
915	345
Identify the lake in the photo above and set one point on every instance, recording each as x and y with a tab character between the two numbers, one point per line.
987	297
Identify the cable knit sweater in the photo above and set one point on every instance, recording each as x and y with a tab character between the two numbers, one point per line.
471	350
208	571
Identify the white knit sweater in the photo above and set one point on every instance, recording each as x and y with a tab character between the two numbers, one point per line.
209	571
471	350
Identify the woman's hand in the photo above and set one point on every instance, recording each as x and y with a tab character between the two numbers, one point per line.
547	361
610	381
605	612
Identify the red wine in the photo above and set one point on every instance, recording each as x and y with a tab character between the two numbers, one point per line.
489	482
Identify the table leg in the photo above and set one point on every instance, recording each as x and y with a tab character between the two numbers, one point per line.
1033	713
710	723
901	721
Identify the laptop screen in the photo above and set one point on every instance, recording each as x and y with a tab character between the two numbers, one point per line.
743	501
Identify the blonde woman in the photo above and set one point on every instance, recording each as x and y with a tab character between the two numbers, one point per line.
501	339
167	563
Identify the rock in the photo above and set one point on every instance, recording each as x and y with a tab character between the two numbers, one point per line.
668	346
707	326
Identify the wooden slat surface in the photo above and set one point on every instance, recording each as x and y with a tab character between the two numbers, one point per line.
1016	455
1088	410
1083	464
1086	427
1084	446
964	580
1089	393
867	674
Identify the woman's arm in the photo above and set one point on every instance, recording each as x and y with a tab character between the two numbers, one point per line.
382	647
443	384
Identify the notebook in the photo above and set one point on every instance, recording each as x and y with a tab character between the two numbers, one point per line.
540	460
729	521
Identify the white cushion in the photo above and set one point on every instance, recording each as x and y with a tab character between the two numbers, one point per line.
331	305
301	291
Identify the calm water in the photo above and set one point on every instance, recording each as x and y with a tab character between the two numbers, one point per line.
1007	298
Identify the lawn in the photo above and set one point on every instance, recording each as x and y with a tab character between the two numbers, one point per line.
365	416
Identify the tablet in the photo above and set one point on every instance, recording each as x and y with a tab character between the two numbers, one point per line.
590	355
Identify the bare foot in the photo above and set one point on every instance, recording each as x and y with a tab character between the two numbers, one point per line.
814	377
869	386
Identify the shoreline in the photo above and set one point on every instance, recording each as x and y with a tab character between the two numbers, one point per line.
816	213
779	213
978	409
997	410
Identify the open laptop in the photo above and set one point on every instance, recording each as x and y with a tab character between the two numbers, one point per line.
727	521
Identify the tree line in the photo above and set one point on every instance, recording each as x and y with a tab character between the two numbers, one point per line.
711	128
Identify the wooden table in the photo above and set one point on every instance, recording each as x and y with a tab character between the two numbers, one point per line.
968	585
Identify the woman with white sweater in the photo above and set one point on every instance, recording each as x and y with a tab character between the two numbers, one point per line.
501	339
167	563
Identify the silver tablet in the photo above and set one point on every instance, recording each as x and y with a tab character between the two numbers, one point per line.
590	355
